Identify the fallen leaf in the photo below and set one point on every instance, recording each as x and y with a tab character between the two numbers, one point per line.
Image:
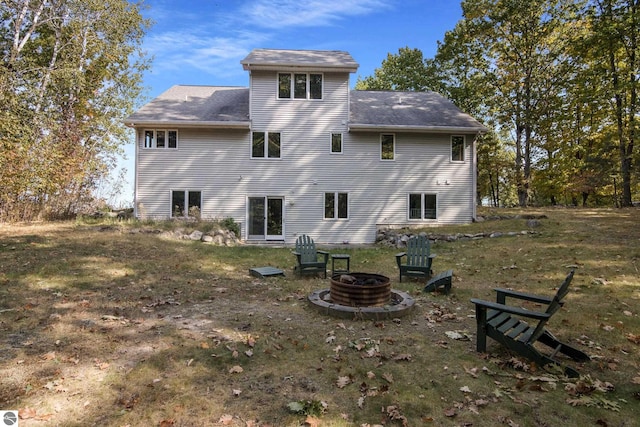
236	370
473	372
457	335
249	353
27	413
237	392
167	423
388	377
204	345
633	338
465	389
361	402
226	420
400	357
49	356
343	381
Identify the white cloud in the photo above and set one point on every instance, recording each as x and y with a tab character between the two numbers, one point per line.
276	14
214	39
215	55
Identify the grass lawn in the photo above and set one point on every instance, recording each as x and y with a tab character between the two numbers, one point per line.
120	325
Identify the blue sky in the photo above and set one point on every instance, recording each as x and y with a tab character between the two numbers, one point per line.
201	42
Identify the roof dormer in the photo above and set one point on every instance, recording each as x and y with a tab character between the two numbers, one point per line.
310	60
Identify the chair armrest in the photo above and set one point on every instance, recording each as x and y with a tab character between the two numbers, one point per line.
538	315
401	254
503	293
323	252
295	253
432	256
325	255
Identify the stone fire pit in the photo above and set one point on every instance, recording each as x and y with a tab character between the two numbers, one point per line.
361	296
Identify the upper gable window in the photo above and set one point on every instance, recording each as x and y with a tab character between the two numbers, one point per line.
336	143
160	138
299	86
387	146
457	148
269	150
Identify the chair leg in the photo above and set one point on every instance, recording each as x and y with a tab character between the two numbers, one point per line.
481	336
549	340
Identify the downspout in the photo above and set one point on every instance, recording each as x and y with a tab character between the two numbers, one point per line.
135	174
474	178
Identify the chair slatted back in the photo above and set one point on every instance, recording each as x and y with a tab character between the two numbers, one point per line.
306	247
418	251
554	306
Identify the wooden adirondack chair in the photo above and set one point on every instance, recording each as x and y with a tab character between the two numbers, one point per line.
419	258
310	260
504	324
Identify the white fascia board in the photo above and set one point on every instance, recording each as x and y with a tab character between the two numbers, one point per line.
415	129
293	67
189	124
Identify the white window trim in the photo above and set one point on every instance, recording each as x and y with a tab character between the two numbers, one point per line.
394	147
464	148
335	208
292	75
266	146
422	195
155	139
331	143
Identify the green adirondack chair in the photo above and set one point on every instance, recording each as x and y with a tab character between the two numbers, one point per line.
419	258
310	260
505	324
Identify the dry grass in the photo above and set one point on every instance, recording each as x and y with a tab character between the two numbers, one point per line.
104	326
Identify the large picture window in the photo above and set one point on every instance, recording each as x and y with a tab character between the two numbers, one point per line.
387	146
300	85
457	148
186	203
336	205
422	206
160	138
270	149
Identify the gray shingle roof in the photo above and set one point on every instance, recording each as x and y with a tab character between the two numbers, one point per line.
228	107
196	106
411	111
319	60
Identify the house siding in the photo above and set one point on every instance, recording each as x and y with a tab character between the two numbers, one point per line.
218	162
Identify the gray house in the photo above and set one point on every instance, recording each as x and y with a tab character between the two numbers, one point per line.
298	152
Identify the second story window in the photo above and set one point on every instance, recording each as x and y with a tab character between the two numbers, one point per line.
387	146
457	148
160	138
270	149
299	86
336	143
